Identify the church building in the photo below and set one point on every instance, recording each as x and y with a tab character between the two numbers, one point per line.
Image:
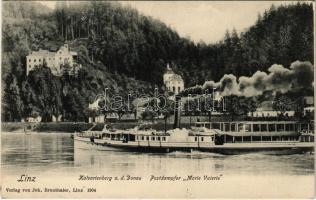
173	82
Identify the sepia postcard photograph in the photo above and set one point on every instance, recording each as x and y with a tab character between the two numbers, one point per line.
157	99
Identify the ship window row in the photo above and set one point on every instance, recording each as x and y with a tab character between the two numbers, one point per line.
151	138
196	139
269	127
259	127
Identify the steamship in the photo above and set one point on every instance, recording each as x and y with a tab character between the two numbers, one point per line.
219	137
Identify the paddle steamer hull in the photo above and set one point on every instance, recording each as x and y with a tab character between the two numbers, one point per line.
88	143
268	148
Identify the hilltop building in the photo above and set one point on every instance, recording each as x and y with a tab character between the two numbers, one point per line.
265	109
94	105
173	82
309	106
53	60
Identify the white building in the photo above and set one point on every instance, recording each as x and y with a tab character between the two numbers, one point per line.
94	105
57	118
34	119
97	119
173	82
53	60
265	109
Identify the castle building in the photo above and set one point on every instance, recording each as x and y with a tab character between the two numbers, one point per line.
173	82
53	60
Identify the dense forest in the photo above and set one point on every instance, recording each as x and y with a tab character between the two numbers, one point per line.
125	51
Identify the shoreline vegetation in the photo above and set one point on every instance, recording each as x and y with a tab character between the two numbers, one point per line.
157	124
71	127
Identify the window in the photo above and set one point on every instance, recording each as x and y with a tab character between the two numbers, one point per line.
153	138
247	127
163	138
289	127
232	127
39	60
30	66
271	127
30	60
60	58
216	125
44	59
297	126
173	89
256	127
304	127
158	138
280	127
226	125
147	138
142	137
195	139
178	89
222	126
34	60
264	127
202	139
240	127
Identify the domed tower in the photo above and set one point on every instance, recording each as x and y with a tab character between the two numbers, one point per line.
173	82
168	74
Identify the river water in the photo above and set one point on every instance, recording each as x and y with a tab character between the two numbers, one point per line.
55	160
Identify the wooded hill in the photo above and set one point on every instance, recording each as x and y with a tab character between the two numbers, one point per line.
126	51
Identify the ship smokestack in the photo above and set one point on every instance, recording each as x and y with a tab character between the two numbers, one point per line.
177	112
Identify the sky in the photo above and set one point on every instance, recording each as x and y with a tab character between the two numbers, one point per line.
205	21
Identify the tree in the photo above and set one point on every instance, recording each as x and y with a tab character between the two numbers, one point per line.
11	102
207	105
148	114
123	49
239	106
282	104
166	110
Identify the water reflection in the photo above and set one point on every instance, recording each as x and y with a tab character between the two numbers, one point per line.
92	157
35	152
56	152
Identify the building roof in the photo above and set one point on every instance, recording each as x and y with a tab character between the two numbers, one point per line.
309	100
73	53
175	77
42	52
169	71
265	106
310	108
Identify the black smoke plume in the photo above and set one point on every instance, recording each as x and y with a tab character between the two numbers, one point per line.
300	75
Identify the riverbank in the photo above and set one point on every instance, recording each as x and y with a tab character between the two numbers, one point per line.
71	127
